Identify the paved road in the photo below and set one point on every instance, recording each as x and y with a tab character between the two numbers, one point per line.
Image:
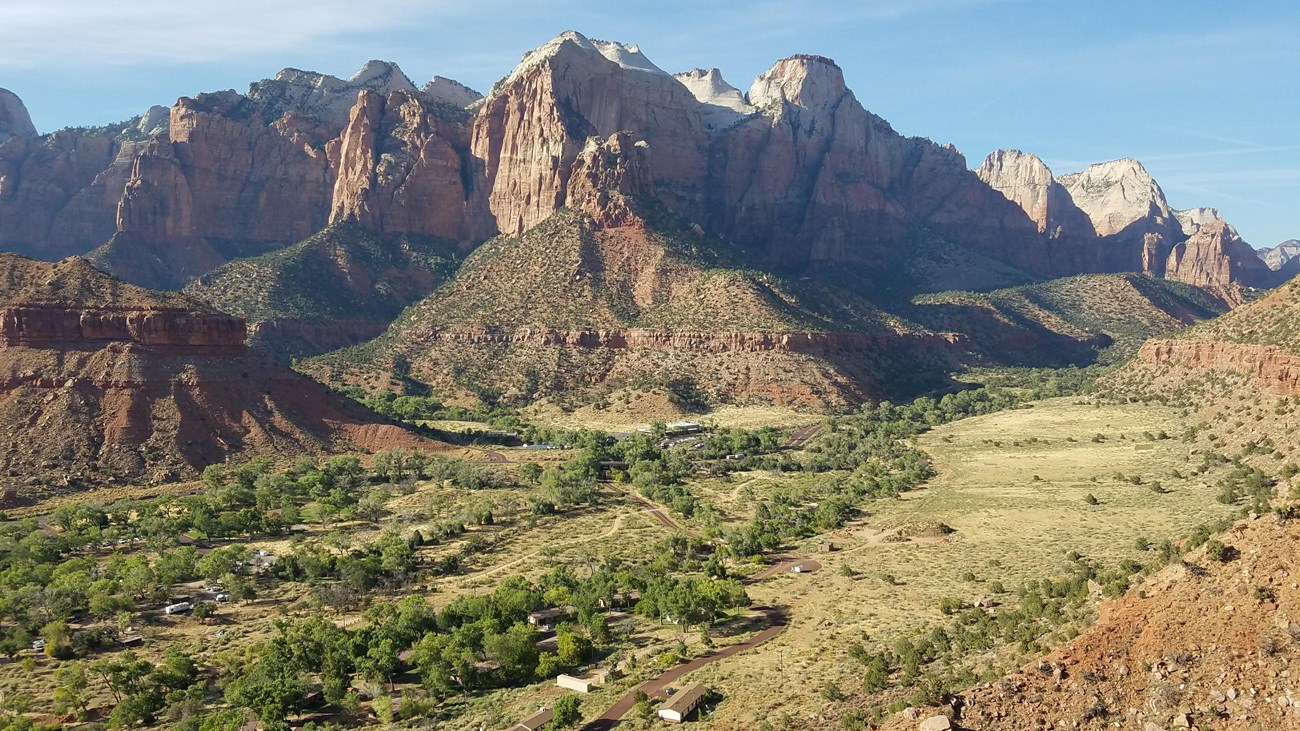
785	565
802	436
658	513
656	685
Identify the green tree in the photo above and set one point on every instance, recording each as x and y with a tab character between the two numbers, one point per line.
70	691
567	711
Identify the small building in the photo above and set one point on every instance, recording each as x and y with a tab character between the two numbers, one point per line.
547	619
683	427
620	599
535	721
826	547
681	703
131	640
584	684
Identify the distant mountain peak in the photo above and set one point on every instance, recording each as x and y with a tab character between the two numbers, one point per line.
806	81
575	45
451	91
722	104
14	119
1114	194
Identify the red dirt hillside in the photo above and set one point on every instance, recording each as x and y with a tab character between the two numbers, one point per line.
1202	644
102	381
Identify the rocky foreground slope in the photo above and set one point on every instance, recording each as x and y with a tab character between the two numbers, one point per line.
101	380
1202	645
795	171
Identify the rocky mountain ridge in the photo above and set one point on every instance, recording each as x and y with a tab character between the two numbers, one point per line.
796	170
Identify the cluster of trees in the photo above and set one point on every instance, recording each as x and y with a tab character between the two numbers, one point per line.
143	693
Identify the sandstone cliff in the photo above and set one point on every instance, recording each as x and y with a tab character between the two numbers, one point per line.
1216	258
534	123
402	166
1026	181
796	170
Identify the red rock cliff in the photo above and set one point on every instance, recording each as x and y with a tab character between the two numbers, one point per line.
1276	368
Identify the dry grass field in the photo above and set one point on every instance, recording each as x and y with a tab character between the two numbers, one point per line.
1012	486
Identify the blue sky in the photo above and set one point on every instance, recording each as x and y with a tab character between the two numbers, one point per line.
1206	94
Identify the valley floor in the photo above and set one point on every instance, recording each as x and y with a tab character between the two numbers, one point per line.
1020	495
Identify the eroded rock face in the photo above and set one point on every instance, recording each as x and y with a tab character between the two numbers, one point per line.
721	104
1216	258
533	124
797	171
54	324
1276	368
1117	194
1026	181
607	176
100	380
402	168
59	193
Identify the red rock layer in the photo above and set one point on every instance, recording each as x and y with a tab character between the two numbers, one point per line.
711	342
1274	367
52	324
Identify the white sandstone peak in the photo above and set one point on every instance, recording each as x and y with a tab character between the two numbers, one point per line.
1192	219
451	91
1115	194
331	98
626	56
155	121
722	104
811	82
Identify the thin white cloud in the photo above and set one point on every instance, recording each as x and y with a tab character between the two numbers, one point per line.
43	33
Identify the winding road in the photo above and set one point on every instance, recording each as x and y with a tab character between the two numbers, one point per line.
656	686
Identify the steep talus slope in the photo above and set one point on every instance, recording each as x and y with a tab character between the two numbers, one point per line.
338	288
1066	321
1261	339
1202	644
102	380
574	306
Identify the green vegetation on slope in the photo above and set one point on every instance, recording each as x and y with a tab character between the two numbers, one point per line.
341	273
1067	320
1272	320
566	273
